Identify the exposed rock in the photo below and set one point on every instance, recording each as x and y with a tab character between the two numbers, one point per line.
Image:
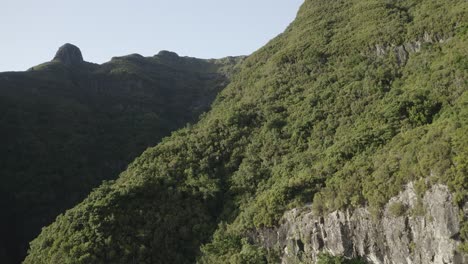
168	55
402	51
429	238
69	54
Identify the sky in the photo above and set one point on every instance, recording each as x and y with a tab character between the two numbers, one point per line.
32	30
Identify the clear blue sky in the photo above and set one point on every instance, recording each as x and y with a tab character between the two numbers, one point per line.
32	30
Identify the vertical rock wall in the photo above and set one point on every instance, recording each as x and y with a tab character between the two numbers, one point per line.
411	230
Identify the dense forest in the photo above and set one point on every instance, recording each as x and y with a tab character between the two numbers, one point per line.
67	125
354	100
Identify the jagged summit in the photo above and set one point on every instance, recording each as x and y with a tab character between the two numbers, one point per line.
69	54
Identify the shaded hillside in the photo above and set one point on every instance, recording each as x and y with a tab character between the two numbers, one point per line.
67	125
354	100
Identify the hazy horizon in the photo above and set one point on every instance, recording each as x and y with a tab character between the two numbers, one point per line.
34	30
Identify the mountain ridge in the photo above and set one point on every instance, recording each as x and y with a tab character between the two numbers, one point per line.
67	124
318	115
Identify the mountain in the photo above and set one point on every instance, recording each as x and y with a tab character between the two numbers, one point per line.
67	125
357	114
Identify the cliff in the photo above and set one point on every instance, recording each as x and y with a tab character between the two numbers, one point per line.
402	234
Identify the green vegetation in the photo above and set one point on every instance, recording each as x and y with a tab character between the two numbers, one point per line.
320	114
65	129
412	247
326	258
464	235
397	209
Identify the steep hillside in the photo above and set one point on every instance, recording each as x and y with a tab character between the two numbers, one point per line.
353	101
67	125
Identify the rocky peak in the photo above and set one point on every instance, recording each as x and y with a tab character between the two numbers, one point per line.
69	54
168	55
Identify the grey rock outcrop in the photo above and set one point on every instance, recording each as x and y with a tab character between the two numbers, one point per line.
69	54
431	237
403	51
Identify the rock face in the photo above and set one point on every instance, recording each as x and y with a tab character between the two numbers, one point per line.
400	236
69	54
169	55
402	51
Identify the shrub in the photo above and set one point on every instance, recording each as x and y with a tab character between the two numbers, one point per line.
397	209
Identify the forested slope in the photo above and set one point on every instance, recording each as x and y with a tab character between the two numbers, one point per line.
354	100
67	125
